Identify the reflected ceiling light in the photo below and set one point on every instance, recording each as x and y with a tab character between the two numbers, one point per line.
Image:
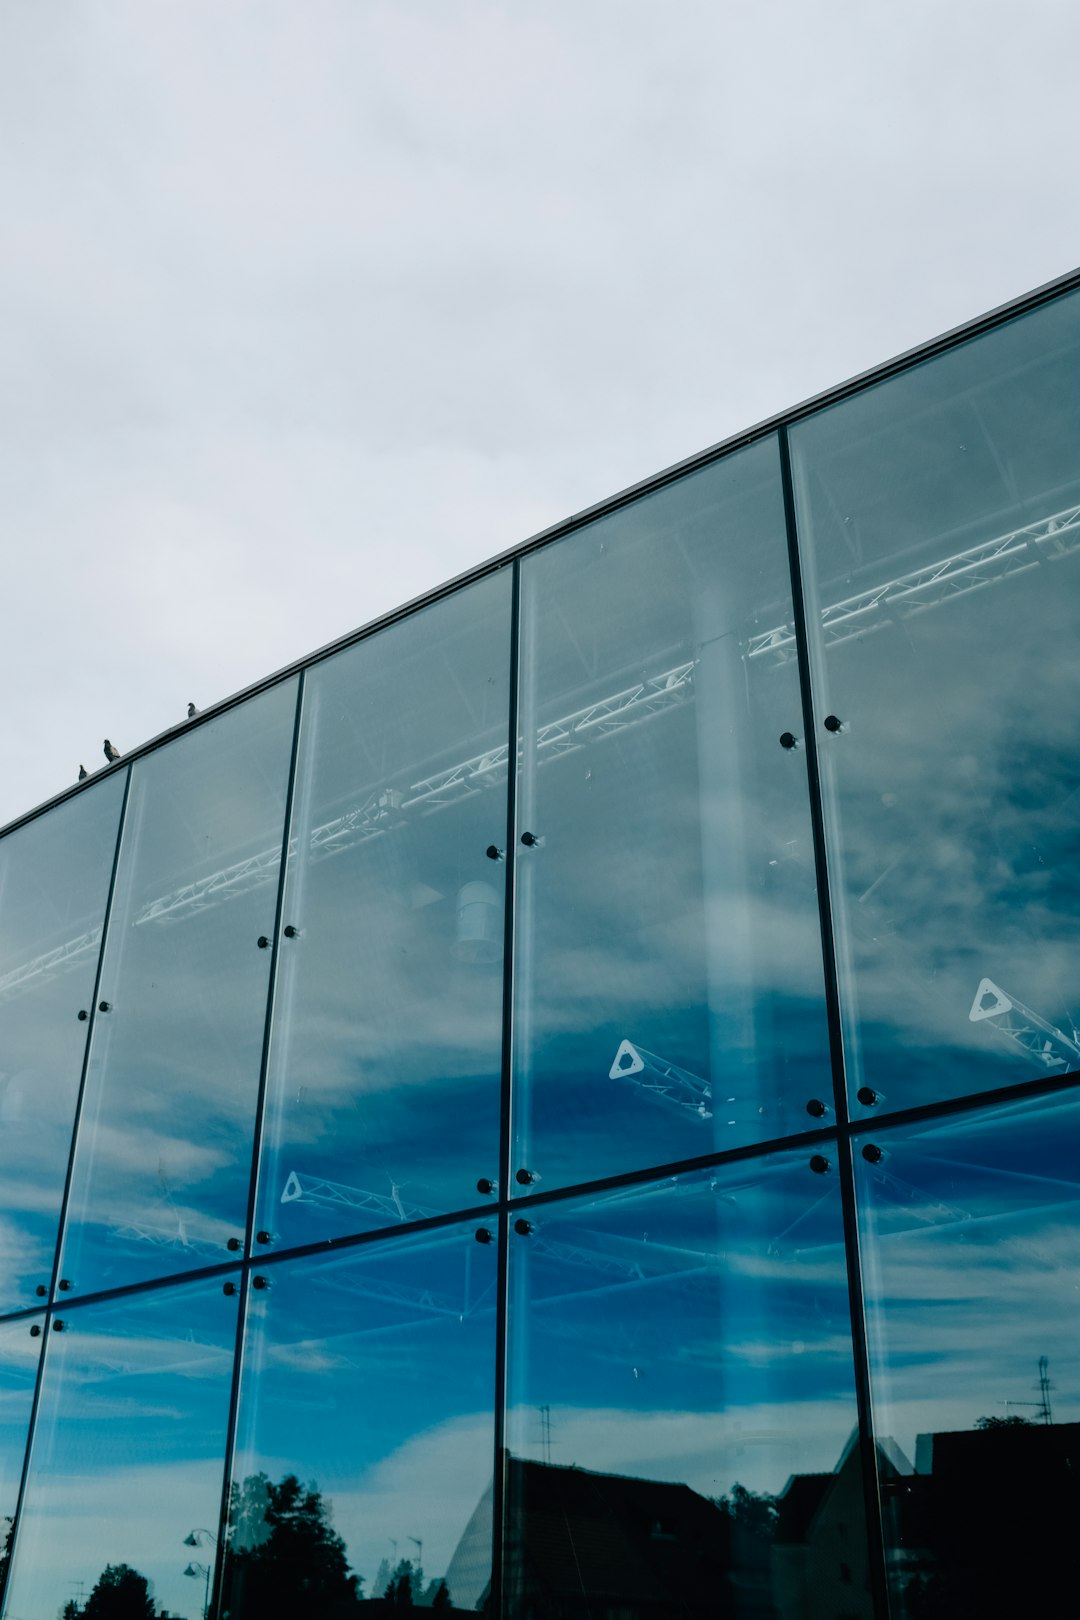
478	937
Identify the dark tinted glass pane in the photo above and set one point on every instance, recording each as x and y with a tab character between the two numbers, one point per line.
384	1088
682	1417
127	1456
668	975
54	881
163	1162
367	1405
20	1346
970	1233
939	513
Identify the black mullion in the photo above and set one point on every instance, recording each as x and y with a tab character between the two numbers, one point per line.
230	1444
519	1203
76	1124
46	1323
256	1151
61	1229
502	1293
879	1581
813	780
275	948
867	1443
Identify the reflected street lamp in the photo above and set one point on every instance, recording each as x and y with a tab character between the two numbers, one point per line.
195	1570
198	1537
193	1537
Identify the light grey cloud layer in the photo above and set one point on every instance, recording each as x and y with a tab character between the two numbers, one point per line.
308	307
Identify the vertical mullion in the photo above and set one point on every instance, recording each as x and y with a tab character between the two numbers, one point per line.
256	1152
275	949
867	1442
498	1488
61	1228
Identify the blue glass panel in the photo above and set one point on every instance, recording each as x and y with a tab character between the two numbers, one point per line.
940	514
668	975
970	1234
681	1410
54	882
383	1096
20	1347
127	1456
367	1405
163	1162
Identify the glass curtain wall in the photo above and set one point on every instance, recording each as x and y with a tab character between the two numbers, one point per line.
383	1102
939	515
567	1109
54	882
669	996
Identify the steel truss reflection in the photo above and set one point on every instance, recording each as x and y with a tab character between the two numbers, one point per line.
1007	555
1041	1040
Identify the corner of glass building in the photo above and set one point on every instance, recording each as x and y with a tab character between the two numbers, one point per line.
563	1104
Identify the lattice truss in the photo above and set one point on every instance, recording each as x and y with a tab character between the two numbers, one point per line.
691	1272
1055	1049
990	563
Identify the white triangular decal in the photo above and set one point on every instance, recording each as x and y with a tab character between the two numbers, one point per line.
292	1190
989	1001
627	1061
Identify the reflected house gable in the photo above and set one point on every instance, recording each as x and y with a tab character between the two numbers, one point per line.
819	1558
583	1542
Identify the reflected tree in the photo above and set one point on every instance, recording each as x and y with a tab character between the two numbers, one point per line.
5	1553
750	1510
1010	1422
285	1558
399	1593
121	1593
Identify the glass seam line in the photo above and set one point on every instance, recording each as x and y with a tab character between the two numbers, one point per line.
502	1286
232	1421
906	361
275	954
230	1444
61	1225
860	1352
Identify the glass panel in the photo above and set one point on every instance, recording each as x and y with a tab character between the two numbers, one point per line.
54	882
681	1410
163	1162
383	1100
940	511
366	1432
668	976
127	1457
970	1242
20	1346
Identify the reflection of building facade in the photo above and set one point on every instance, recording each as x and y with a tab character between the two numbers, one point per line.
489	1114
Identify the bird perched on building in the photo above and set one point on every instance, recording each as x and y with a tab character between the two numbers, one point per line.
83	773
111	753
192	711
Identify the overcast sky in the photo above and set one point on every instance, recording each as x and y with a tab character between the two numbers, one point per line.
307	305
